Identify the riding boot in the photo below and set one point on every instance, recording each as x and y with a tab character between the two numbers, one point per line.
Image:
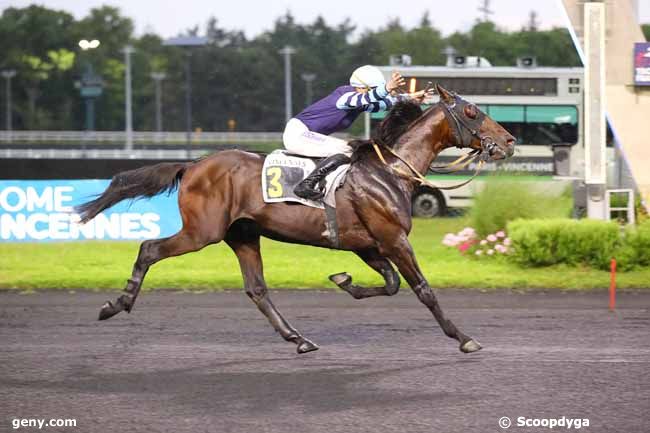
310	188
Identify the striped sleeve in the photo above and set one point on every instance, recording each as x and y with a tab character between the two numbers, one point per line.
385	104
366	101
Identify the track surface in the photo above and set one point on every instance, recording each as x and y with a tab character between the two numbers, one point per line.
211	363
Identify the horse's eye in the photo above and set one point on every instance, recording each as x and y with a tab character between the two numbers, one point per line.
470	111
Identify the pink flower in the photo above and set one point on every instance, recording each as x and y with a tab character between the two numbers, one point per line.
501	234
465	246
467	232
450	240
491	238
507	242
500	248
490	252
483	242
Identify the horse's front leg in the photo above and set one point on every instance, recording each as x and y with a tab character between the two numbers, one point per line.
379	264
400	252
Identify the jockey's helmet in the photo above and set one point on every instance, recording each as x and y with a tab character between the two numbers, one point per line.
367	76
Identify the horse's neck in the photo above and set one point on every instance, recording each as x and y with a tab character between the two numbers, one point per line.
422	142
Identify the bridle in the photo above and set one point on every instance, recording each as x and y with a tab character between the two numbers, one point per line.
464	126
464	130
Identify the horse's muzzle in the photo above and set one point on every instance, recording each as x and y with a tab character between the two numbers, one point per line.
497	152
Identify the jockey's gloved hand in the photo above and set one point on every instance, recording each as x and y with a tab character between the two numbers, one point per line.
396	81
422	96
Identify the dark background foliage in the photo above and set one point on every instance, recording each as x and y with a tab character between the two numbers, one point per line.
233	77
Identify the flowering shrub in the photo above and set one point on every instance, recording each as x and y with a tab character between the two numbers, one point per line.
579	242
467	240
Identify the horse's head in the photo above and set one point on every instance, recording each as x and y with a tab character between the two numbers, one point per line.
470	127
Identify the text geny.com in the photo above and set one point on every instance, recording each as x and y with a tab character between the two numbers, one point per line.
17	423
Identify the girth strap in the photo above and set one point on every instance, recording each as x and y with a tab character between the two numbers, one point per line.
332	225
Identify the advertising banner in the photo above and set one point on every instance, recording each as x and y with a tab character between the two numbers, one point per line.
43	210
642	64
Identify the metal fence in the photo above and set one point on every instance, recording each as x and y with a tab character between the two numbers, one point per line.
52	153
147	144
143	137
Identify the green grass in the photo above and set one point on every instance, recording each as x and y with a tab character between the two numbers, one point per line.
107	265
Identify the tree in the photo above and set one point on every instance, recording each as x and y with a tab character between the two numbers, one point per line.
646	31
552	48
27	36
233	77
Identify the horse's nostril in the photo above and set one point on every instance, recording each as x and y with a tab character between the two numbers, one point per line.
510	146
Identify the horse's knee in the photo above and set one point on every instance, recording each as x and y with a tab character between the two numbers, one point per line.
425	294
256	293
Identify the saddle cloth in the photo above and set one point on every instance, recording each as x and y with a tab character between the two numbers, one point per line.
282	172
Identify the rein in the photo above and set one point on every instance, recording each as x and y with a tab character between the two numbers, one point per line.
418	177
487	145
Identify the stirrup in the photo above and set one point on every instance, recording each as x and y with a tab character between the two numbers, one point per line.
307	193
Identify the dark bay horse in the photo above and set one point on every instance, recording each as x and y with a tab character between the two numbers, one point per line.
220	199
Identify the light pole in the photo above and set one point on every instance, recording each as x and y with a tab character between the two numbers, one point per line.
8	74
287	51
128	114
90	88
90	85
187	42
157	78
308	79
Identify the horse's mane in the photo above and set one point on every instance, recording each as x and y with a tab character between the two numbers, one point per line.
396	122
399	118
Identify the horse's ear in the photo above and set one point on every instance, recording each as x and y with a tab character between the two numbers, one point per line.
444	94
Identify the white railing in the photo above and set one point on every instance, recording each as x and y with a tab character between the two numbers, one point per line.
92	153
140	137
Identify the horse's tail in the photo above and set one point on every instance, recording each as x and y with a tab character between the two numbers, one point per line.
142	182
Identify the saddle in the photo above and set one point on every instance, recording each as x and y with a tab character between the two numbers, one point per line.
282	171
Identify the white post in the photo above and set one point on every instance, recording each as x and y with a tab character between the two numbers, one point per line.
287	51
158	77
309	95
128	50
594	119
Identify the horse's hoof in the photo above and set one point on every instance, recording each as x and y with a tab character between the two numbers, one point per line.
306	346
108	310
470	346
343	279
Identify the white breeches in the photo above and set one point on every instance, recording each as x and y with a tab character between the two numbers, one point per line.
300	140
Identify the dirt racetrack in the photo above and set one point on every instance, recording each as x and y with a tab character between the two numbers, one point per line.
211	363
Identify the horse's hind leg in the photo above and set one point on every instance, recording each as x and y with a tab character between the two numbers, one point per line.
250	261
379	264
151	251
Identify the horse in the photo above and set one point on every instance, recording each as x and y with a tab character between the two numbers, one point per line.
220	199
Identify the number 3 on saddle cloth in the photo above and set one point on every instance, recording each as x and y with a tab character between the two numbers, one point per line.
283	171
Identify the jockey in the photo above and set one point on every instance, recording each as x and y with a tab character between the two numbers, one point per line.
308	133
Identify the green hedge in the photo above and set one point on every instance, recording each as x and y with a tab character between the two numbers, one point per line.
590	242
634	248
548	242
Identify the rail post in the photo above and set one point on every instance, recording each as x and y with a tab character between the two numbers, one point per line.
612	285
